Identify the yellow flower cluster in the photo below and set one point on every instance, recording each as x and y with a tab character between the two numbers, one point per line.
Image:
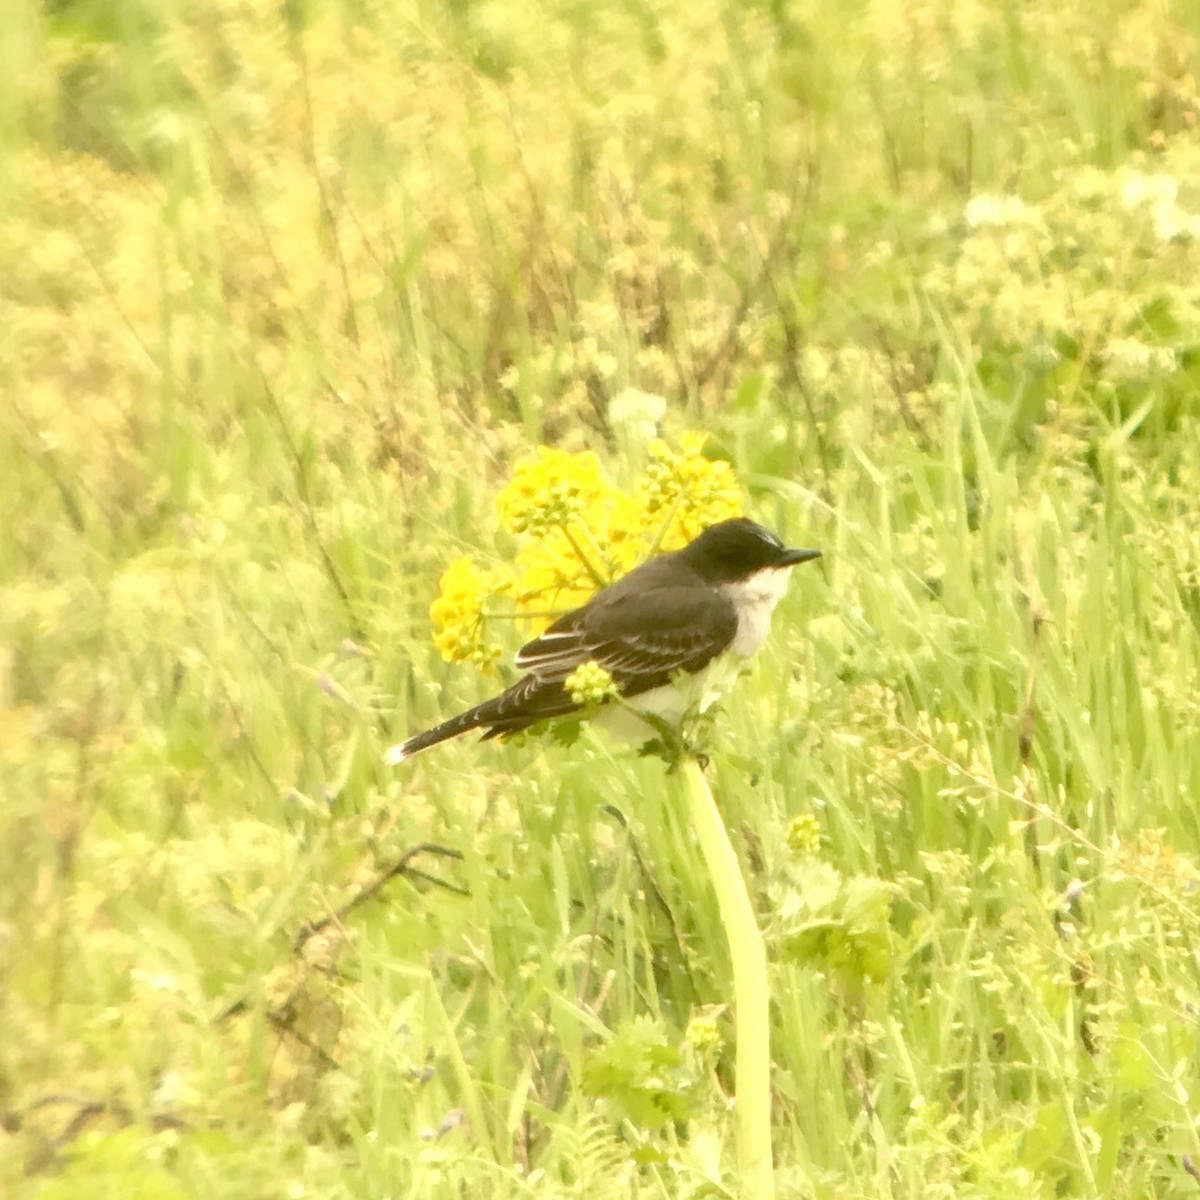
703	1034
550	491
589	684
458	614
803	835
577	532
683	492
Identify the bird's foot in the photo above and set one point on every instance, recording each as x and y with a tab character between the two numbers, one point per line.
675	743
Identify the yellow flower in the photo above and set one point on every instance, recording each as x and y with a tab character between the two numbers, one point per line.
686	492
458	614
550	490
579	531
803	835
703	1034
552	578
590	684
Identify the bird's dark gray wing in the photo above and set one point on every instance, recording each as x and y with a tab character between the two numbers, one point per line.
641	639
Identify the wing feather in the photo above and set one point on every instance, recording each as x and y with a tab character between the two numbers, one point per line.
641	639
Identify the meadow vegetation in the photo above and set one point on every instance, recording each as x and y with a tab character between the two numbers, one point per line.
287	294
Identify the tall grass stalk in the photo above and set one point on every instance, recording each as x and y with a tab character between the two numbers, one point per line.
751	992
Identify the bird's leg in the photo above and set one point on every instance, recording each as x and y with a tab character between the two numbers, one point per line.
670	745
677	742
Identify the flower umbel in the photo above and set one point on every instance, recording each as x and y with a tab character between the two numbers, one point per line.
590	684
687	492
550	491
803	835
703	1034
458	613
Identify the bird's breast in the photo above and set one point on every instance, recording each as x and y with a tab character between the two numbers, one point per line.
754	601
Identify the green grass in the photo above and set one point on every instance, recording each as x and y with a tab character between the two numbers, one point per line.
287	292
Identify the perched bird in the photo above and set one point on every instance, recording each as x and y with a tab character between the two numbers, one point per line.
669	618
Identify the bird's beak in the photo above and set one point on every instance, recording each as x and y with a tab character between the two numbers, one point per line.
792	558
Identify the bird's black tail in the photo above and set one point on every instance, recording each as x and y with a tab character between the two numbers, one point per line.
463	723
527	702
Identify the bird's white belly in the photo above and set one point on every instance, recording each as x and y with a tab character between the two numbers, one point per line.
755	600
670	703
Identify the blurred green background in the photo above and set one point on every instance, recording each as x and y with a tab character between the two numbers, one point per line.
285	293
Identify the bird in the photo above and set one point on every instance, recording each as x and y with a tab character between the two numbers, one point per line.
665	620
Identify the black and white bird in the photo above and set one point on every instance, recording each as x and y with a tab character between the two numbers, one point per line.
666	620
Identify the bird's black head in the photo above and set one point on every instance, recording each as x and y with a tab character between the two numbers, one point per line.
734	550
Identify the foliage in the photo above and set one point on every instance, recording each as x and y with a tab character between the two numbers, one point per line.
289	293
643	1075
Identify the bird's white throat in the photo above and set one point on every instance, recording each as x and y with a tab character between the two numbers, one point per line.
754	601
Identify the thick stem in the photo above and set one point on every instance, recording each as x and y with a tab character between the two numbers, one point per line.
751	994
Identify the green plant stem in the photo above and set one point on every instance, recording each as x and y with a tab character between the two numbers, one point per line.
596	577
751	994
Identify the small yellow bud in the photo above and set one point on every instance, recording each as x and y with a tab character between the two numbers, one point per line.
590	684
703	1035
803	835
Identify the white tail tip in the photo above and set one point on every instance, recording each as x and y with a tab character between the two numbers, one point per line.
396	754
